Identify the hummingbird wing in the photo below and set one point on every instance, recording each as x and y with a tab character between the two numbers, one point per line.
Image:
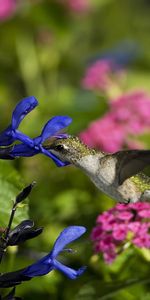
130	162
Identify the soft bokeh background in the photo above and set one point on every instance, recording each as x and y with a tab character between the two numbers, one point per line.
45	49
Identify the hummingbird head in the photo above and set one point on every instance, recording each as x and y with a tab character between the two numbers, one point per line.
69	149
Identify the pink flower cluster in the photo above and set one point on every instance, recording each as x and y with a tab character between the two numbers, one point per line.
7	9
101	75
120	226
128	116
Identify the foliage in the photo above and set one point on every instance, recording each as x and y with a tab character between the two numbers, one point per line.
10	183
45	49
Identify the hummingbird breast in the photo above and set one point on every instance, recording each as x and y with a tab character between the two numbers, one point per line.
102	172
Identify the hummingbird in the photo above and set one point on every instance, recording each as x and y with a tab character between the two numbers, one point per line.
117	174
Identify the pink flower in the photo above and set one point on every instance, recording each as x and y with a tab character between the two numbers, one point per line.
121	207
120	225
126	118
102	76
133	109
98	75
139	206
119	232
104	134
97	231
104	218
7	9
125	216
142	241
106	244
144	213
134	226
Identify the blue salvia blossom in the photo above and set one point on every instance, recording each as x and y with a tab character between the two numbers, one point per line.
11	133
50	262
29	146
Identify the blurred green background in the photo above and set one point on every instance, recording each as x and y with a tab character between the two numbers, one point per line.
45	48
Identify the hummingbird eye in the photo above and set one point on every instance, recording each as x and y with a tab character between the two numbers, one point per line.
59	147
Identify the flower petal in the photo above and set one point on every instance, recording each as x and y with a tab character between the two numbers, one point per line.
6	137
67	236
48	263
54	125
41	267
23	150
24	138
69	272
22	109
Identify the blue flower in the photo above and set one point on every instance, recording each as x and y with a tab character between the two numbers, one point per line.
28	146
10	134
31	147
49	262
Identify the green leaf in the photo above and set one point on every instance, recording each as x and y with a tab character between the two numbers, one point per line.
10	186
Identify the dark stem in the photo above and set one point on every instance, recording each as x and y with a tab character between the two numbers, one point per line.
4	239
5	236
10	221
